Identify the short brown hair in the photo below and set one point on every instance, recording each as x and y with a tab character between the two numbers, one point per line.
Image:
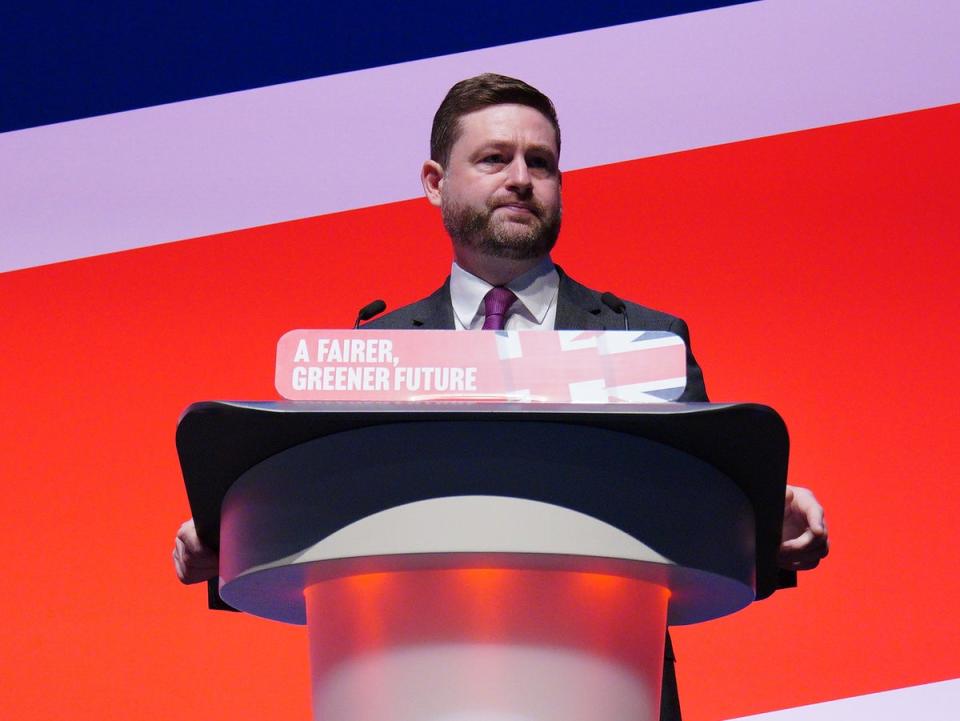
480	92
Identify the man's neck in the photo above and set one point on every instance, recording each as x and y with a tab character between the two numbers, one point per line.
496	271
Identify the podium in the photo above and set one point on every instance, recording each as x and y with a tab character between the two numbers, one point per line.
459	561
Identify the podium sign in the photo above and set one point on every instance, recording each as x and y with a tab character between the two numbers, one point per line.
515	366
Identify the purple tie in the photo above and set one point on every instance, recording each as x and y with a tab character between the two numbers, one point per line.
495	305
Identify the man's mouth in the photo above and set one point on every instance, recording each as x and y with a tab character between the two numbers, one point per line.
522	208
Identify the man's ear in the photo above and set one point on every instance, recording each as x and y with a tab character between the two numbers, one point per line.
431	175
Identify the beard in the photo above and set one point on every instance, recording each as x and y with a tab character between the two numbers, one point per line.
477	229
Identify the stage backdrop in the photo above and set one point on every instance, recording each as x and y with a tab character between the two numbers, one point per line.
782	175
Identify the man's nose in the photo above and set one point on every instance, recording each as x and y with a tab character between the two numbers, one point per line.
518	178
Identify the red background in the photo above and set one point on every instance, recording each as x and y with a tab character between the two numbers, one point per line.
817	270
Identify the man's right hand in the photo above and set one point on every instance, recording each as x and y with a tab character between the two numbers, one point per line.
194	561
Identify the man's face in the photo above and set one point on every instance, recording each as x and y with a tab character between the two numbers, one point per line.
500	191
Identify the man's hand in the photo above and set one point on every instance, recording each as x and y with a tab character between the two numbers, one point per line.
804	539
194	561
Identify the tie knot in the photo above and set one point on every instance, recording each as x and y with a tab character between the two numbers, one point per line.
496	303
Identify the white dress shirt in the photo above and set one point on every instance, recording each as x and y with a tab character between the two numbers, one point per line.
534	309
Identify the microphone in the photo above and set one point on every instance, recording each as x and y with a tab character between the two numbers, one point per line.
617	306
371	309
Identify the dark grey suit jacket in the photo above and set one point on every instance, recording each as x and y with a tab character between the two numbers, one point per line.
578	308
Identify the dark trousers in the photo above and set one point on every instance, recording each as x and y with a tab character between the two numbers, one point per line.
669	699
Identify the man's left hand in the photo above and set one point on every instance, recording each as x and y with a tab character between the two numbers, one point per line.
804	540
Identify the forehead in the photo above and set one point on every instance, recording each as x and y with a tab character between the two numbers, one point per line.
518	125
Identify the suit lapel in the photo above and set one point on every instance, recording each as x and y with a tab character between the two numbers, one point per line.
435	312
578	308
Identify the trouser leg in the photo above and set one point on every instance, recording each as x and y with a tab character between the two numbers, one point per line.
669	698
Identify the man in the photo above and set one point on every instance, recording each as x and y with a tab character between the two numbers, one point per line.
494	173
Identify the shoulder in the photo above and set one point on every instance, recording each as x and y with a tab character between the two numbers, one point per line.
640	316
433	312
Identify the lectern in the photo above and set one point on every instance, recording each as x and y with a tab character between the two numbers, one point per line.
459	561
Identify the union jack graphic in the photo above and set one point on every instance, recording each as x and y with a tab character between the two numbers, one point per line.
593	366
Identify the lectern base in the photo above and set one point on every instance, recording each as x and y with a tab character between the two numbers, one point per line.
486	645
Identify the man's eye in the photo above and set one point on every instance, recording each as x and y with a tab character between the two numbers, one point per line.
493	158
539	163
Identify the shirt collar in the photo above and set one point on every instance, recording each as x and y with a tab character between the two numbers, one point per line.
536	292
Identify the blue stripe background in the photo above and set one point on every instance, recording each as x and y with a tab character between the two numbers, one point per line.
67	60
